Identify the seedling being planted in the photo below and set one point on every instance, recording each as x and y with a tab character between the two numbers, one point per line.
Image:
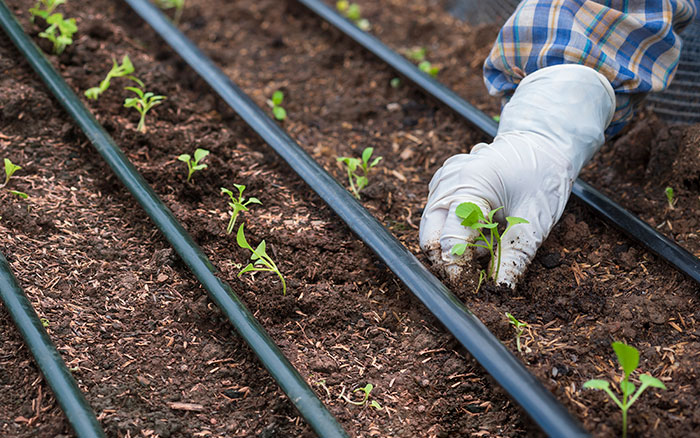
125	69
670	197
353	12
365	399
519	329
65	29
193	164
276	104
143	103
44	8
473	218
237	204
261	261
179	5
10	169
628	357
359	182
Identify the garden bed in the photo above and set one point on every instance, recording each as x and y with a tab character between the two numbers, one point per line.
143	338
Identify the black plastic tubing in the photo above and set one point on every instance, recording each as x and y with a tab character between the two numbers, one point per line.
482	344
57	375
630	224
301	395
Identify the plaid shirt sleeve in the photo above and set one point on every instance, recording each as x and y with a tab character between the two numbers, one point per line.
634	43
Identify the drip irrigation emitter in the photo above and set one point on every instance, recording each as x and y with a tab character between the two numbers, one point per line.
291	382
630	224
65	389
498	361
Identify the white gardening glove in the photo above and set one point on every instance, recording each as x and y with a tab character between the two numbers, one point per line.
549	129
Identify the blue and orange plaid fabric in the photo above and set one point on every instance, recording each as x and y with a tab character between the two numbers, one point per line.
633	43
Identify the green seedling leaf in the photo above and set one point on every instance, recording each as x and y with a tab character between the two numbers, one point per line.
395	83
237	204
194	165
459	248
359	181
516	220
416	54
10	169
669	197
596	384
367	154
48	8
627	356
354	12
279	113
375	404
342	5
470	212
262	261
277	97
519	327
179	5
648	380
627	388
20	194
124	70
143	103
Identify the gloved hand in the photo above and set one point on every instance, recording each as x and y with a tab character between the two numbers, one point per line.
553	124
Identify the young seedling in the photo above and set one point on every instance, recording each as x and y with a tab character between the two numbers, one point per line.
365	399
276	104
66	29
44	8
473	218
427	67
237	204
10	169
359	182
519	329
261	261
482	276
143	103
353	12
628	357
179	5
193	164
670	197
395	82
125	69
416	54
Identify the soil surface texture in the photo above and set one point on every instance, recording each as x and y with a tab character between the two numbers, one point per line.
155	357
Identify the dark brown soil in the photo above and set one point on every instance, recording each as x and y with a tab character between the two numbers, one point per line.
139	332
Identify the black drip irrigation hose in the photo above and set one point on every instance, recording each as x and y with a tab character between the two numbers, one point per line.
630	224
291	382
72	402
498	361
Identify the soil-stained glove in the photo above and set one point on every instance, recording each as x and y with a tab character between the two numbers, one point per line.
549	129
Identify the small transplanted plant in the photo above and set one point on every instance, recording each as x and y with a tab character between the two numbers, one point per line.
473	218
194	164
126	68
670	197
628	357
519	329
60	32
44	8
366	390
142	103
353	12
359	181
10	169
276	104
417	54
237	204
261	261
179	5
